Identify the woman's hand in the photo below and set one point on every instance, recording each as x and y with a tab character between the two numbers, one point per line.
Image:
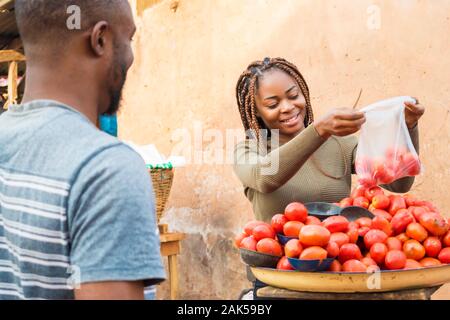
340	122
413	112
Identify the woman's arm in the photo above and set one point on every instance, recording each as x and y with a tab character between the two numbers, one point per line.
267	173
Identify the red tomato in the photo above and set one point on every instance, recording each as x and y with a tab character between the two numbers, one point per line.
401	220
372	192
429	262
397	203
382	224
432	246
416	231
434	223
393	243
314	253
353	225
238	239
380	201
411	164
292	228
371	208
278	221
446	239
416	212
335	266
395	260
363	231
373	269
339	238
353	235
410	200
354	265
374	236
361	202
444	256
249	243
412	264
283	264
382	213
269	246
359	191
389	176
349	251
402	237
368	262
431	207
346	202
332	249
378	252
313	235
313	220
413	250
364	222
263	231
379	171
336	224
296	211
248	228
293	248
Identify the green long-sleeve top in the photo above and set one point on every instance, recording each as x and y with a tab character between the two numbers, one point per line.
301	177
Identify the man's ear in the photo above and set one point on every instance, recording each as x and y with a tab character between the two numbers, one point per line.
98	38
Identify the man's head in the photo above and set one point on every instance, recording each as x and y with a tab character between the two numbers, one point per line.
92	36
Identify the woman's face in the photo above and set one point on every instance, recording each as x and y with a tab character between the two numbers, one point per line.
280	103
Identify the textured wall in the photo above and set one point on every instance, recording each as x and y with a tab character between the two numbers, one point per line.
188	61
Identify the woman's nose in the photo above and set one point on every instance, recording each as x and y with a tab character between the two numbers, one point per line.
287	106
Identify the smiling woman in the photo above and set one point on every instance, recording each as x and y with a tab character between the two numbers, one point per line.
313	160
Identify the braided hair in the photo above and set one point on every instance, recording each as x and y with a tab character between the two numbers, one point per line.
247	87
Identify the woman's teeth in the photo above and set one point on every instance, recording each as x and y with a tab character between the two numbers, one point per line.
291	119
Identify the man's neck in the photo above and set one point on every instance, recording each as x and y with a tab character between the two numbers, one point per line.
78	94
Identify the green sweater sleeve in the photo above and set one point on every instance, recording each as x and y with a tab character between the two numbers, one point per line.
266	172
402	185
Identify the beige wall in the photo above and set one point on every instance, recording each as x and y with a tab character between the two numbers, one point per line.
188	61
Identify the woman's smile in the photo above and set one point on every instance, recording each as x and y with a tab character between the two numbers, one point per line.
291	121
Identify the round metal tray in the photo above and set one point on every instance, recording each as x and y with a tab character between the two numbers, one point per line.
338	282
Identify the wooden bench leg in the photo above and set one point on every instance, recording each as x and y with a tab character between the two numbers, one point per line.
173	275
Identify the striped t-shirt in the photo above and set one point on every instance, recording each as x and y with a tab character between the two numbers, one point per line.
76	206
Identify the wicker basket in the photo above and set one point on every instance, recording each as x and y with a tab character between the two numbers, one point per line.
162	183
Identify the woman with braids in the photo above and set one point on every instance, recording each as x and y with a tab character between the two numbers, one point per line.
315	157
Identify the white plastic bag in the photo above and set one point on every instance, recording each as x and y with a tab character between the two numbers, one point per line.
385	151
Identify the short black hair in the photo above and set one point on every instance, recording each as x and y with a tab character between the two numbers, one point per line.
45	21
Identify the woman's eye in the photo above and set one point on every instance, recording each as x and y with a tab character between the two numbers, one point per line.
294	97
273	106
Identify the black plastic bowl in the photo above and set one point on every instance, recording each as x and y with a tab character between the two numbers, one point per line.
258	259
322	210
310	265
283	239
353	213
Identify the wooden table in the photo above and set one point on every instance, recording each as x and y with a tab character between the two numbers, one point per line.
277	293
170	247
